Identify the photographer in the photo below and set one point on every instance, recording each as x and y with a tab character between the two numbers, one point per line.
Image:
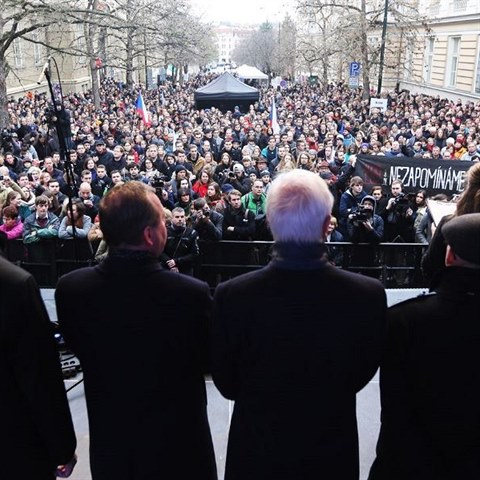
238	179
398	215
365	227
208	223
349	202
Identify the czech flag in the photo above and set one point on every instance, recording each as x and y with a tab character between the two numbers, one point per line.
142	110
273	121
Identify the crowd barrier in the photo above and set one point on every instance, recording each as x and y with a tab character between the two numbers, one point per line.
396	265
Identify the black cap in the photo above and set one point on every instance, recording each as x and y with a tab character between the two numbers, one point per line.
180	167
463	235
368	198
100	141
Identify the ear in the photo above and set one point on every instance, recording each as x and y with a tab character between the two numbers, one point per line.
147	236
450	257
325	226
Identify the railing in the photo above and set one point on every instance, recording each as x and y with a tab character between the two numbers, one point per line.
396	265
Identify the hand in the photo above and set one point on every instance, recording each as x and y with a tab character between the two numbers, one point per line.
368	226
64	471
390	203
88	203
353	160
171	264
230	229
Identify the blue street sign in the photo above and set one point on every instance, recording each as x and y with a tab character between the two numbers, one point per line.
355	69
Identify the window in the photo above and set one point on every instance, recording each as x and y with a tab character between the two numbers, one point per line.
18	53
452	61
459	5
428	65
435	8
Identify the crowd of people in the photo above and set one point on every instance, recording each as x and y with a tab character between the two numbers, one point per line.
226	158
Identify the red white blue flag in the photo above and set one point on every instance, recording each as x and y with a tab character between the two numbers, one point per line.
142	110
273	117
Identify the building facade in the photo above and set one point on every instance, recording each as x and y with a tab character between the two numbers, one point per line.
444	59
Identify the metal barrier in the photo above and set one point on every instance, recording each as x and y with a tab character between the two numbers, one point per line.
396	265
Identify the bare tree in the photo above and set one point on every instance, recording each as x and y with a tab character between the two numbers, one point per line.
287	51
260	49
148	34
318	43
351	24
18	19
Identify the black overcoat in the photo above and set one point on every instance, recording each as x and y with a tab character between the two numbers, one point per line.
430	384
292	344
36	430
140	333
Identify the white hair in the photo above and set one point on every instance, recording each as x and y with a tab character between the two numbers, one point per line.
298	204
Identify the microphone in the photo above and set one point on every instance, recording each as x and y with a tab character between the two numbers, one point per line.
44	70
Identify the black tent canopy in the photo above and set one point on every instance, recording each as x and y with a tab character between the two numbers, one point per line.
224	93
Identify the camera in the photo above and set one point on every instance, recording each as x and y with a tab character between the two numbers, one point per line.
206	213
401	203
157	182
231	174
360	215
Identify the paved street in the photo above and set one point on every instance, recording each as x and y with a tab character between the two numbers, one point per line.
219	410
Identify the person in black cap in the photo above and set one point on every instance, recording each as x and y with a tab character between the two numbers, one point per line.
430	428
365	227
105	157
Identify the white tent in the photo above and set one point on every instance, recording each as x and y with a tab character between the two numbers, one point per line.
250	73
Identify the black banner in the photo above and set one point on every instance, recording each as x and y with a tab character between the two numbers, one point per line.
434	176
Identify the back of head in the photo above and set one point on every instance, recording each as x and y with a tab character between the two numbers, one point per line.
298	204
125	212
463	235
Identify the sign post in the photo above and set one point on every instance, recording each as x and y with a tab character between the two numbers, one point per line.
354	74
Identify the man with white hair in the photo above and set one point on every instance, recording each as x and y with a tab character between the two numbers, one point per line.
283	352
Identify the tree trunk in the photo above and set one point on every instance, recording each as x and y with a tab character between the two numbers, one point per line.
90	31
129	62
364	49
4	116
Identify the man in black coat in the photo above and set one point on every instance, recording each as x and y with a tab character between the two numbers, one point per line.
36	434
430	376
287	356
181	249
142	345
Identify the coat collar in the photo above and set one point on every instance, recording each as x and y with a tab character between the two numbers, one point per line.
294	256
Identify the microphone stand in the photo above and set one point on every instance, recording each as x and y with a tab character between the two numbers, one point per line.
62	133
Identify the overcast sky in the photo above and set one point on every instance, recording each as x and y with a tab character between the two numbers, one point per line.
243	11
